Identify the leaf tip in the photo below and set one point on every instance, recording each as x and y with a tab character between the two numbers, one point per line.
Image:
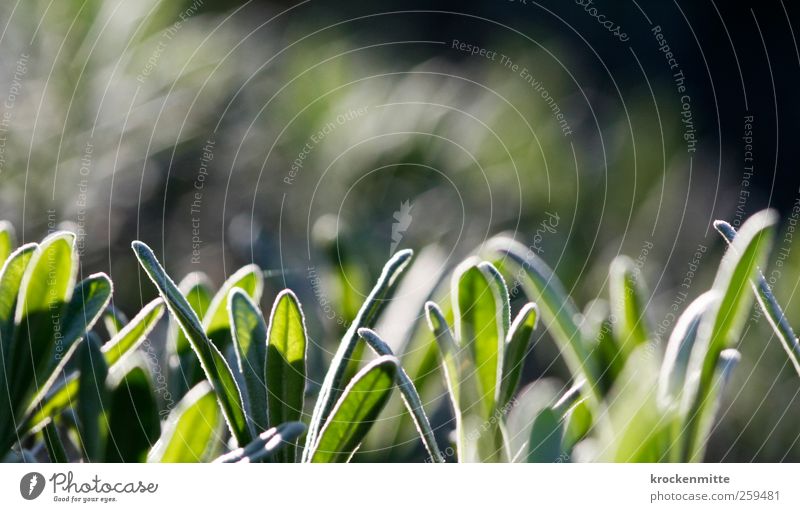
434	315
529	314
140	248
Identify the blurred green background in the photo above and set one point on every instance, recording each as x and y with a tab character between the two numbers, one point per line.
292	135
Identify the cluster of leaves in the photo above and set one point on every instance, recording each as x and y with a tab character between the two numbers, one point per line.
482	361
626	404
261	396
236	383
238	380
67	391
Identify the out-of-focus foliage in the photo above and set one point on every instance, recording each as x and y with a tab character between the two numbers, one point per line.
124	111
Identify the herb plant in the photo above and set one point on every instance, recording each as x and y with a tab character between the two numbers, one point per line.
236	382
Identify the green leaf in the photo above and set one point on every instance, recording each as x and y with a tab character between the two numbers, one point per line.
450	359
134	333
410	337
546	435
191	428
214	365
633	427
578	422
53	444
559	313
628	305
124	342
480	310
576	418
410	396
679	348
62	396
769	305
333	384
356	411
133	418
10	279
196	287
185	370
36	405
268	445
249	334
722	329
286	362
598	331
216	321
571	397
7	240
517	343
46	287
90	298
541	394
113	320
92	399
728	360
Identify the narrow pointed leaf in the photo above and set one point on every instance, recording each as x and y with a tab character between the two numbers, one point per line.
333	384
769	305
575	416
722	329
728	360
185	369
196	288
578	423
679	349
480	309
134	333
249	334
214	365
10	279
45	289
517	343
356	411
558	310
410	396
568	399
449	355
286	362
598	332
628	301
216	321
